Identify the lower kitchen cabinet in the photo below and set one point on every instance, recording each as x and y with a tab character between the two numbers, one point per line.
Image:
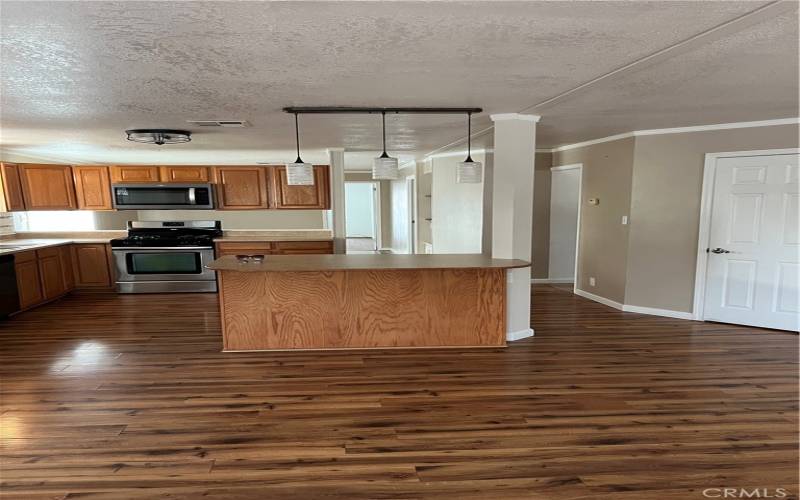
91	264
51	272
29	283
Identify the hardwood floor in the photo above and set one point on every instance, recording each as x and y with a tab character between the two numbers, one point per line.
129	397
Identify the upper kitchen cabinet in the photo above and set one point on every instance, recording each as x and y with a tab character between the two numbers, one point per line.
92	187
12	188
47	187
187	174
134	173
242	188
285	196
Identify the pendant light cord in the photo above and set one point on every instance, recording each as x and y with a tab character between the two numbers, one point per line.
297	138
469	137
383	118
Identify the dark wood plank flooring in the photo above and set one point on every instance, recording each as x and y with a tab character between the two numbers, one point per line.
129	397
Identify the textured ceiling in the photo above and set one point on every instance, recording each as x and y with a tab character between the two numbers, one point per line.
76	74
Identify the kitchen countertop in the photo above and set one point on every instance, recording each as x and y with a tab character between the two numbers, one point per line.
10	246
364	262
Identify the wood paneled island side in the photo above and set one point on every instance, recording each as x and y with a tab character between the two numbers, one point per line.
363	301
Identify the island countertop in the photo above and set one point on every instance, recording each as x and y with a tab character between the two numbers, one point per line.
363	262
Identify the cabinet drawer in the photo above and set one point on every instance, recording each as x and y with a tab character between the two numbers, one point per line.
304	247
21	257
244	248
134	173
184	174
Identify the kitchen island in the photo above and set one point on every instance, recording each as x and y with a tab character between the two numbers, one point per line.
362	301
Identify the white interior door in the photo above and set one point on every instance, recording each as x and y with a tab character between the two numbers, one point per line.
565	186
752	274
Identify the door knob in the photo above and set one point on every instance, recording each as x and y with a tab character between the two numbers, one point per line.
719	250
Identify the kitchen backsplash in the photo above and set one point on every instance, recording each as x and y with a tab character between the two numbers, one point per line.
6	223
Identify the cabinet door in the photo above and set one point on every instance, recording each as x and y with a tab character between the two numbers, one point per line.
134	173
303	247
51	272
90	263
66	266
92	187
242	188
184	174
12	187
47	187
285	196
29	285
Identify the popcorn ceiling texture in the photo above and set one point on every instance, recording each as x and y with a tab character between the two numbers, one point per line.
76	74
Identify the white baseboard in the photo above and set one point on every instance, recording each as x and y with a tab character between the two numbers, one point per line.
597	298
548	280
652	311
658	312
519	335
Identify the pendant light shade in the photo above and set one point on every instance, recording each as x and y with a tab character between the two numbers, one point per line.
299	173
469	171
385	167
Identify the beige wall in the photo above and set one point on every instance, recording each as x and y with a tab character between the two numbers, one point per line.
540	244
603	245
665	208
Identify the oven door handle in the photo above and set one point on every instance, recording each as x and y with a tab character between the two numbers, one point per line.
134	249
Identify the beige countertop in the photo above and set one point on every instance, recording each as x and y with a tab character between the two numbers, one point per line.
22	242
363	262
276	235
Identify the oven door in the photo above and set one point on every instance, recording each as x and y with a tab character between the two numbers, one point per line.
163	264
163	196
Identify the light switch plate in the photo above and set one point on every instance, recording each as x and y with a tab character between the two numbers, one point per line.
624	220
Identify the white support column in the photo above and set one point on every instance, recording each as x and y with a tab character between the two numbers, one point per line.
336	161
512	212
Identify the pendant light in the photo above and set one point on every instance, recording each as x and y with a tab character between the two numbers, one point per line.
384	167
299	173
469	171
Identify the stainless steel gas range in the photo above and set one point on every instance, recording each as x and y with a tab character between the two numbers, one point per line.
166	257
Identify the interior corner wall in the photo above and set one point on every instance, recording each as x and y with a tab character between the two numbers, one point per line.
665	208
386	203
540	243
603	243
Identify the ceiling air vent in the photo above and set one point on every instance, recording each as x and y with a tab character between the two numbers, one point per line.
220	123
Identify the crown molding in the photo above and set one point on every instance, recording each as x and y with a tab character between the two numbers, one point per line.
515	116
676	130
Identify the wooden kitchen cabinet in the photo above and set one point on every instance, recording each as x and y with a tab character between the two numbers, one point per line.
274	247
188	174
242	188
285	196
244	248
51	272
29	286
92	187
47	187
12	188
66	266
91	263
134	173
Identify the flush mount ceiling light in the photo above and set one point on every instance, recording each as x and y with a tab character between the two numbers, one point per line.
299	173
384	167
158	136
469	171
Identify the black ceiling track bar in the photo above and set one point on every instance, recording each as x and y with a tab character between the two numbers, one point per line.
322	110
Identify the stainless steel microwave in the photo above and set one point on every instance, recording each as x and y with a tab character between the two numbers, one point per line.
163	196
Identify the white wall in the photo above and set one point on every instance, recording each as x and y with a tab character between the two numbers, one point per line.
564	192
456	209
359	210
400	216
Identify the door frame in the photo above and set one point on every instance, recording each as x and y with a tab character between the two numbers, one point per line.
376	211
411	188
704	230
579	167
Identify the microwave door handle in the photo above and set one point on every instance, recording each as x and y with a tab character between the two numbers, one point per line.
192	199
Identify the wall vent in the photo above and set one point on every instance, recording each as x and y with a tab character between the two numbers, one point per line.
220	123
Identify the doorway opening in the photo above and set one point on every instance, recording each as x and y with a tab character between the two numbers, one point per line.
362	216
565	214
